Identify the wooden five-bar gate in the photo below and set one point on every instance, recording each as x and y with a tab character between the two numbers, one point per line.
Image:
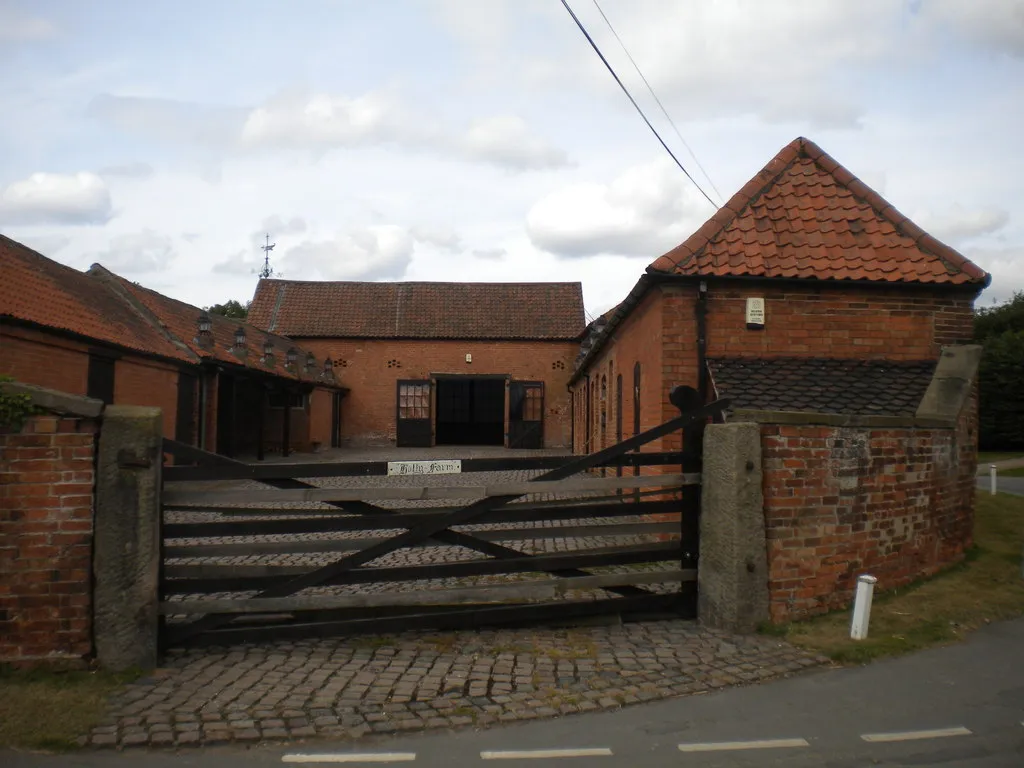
291	551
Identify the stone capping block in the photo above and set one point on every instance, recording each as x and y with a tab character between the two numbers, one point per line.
811	418
126	563
951	383
733	568
56	402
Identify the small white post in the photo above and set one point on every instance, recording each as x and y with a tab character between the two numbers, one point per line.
862	607
992	478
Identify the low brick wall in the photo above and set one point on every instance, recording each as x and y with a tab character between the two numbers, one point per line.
839	501
47	477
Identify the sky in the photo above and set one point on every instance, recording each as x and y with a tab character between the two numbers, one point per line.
483	140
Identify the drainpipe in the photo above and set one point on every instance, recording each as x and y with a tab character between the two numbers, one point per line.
203	384
701	311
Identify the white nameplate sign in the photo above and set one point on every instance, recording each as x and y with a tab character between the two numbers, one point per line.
443	467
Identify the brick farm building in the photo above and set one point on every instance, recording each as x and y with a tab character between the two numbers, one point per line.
823	314
221	384
439	363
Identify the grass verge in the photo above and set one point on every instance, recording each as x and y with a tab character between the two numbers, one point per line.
989	457
986	587
45	710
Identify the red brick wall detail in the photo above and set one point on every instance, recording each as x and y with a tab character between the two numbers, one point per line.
141	382
637	340
34	357
839	502
368	410
46	525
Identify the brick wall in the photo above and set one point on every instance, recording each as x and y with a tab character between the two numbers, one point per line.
833	321
637	340
46	525
138	381
839	502
368	410
46	360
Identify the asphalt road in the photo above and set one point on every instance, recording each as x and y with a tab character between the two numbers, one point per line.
1014	485
959	706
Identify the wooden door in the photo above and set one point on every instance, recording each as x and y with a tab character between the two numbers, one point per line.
412	412
526	414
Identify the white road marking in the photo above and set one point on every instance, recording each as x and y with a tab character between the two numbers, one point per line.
725	746
938	733
527	754
352	757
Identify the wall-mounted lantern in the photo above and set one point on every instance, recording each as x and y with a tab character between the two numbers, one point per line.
240	338
290	357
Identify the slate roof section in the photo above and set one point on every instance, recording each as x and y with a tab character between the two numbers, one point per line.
495	311
805	216
847	387
180	320
41	291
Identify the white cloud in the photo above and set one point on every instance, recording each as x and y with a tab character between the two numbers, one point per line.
507	141
439	237
1006	265
992	24
53	198
170	120
243	262
137	252
957	223
644	212
319	122
19	27
46	244
129	170
370	253
490	253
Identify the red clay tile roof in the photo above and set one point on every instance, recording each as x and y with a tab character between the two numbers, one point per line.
805	216
419	310
41	291
180	320
854	387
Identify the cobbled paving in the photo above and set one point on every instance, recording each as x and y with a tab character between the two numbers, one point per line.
348	688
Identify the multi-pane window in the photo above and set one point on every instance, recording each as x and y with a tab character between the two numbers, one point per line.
293	399
533	406
414	401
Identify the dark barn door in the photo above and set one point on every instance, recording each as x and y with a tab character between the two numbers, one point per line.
413	414
526	414
470	410
335	419
226	415
100	378
185	425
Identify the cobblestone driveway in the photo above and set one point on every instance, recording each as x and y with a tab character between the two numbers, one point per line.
347	688
350	687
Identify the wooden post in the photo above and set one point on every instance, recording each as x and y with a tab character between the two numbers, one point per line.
259	421
286	418
687	399
232	440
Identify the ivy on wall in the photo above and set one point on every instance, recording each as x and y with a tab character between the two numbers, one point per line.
14	407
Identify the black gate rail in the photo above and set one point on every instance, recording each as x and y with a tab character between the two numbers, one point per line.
220	468
432	527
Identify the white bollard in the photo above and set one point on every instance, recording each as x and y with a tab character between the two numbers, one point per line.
992	478
862	607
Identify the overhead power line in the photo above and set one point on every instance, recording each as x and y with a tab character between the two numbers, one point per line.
633	102
656	99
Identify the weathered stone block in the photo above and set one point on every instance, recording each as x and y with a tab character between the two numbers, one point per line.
733	567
